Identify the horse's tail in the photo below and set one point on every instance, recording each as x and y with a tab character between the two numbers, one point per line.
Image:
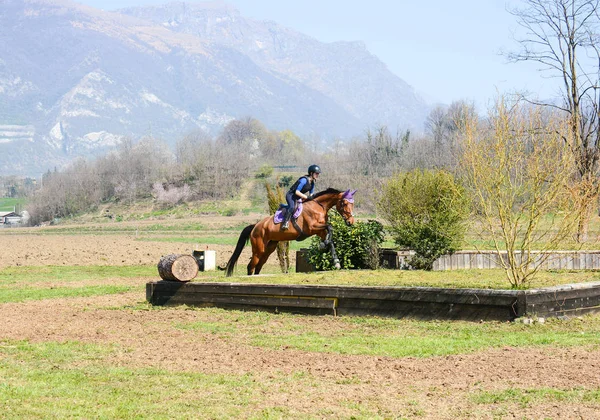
244	237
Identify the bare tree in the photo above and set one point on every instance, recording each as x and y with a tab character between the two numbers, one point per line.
561	35
192	154
442	125
246	132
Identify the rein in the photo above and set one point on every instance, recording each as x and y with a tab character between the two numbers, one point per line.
302	236
350	200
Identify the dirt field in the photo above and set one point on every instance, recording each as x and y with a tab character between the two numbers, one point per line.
435	388
35	246
93	250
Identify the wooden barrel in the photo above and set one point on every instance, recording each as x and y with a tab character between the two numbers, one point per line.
177	267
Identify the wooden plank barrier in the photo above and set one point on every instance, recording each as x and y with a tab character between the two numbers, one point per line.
465	260
416	302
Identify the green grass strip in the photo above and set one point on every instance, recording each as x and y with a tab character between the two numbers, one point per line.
74	380
376	336
8	204
210	240
527	397
25	274
30	293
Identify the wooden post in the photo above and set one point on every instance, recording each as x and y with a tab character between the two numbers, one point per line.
177	267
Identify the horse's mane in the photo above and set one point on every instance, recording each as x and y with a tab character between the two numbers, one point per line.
324	192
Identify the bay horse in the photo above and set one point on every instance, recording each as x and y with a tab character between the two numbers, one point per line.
265	234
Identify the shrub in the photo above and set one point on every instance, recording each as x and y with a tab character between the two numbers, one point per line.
171	195
228	211
265	171
285	181
426	211
357	246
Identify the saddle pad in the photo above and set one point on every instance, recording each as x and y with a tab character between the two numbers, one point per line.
278	218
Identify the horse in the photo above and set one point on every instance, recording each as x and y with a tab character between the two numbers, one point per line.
265	234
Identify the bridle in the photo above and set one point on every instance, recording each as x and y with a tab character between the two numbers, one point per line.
342	205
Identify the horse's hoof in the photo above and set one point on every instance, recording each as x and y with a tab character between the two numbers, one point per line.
337	265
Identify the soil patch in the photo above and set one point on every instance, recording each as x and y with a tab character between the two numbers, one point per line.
439	387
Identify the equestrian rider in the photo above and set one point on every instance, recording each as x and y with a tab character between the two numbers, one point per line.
302	188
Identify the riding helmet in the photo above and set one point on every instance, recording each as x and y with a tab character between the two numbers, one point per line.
314	168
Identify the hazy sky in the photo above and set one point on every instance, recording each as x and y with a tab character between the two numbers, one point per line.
447	50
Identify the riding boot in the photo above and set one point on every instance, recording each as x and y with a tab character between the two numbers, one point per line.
286	219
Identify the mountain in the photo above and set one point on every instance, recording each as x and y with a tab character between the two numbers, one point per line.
75	80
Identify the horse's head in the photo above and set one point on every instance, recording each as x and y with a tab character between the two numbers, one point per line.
345	207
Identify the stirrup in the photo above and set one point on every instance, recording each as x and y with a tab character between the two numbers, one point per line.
285	226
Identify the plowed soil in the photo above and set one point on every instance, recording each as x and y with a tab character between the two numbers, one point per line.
432	388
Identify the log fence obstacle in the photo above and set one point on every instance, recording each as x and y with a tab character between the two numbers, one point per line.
178	267
398	302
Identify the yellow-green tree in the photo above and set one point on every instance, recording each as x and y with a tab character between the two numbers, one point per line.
521	176
276	197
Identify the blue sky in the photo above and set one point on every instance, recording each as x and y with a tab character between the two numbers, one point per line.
446	50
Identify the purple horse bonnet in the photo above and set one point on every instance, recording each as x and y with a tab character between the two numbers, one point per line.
349	195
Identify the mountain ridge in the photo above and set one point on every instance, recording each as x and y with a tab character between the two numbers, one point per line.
76	80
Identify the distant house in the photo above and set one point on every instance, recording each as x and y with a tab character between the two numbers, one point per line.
9	218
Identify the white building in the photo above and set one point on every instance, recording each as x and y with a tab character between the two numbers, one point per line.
9	218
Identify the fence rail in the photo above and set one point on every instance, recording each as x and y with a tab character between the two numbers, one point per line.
464	260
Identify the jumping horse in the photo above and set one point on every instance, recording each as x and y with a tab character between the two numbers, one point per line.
265	234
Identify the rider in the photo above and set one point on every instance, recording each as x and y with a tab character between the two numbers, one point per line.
302	188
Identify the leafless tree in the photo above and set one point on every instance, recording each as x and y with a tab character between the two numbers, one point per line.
247	131
562	36
442	125
192	154
140	166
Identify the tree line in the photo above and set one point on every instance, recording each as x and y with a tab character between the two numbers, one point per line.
203	168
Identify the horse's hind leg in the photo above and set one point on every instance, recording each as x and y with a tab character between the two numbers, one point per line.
271	246
258	249
253	263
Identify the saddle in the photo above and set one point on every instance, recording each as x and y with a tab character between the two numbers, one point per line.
280	213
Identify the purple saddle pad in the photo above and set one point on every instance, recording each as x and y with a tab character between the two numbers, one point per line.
278	218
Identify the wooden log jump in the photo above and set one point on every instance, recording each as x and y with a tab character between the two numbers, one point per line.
178	267
398	302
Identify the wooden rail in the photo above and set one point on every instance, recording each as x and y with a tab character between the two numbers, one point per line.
417	302
465	260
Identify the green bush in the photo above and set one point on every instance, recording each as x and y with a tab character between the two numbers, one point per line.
228	211
285	181
265	171
426	211
357	246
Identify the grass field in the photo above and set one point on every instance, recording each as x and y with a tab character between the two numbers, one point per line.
9	204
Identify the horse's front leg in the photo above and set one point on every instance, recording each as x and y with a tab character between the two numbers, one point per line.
327	241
